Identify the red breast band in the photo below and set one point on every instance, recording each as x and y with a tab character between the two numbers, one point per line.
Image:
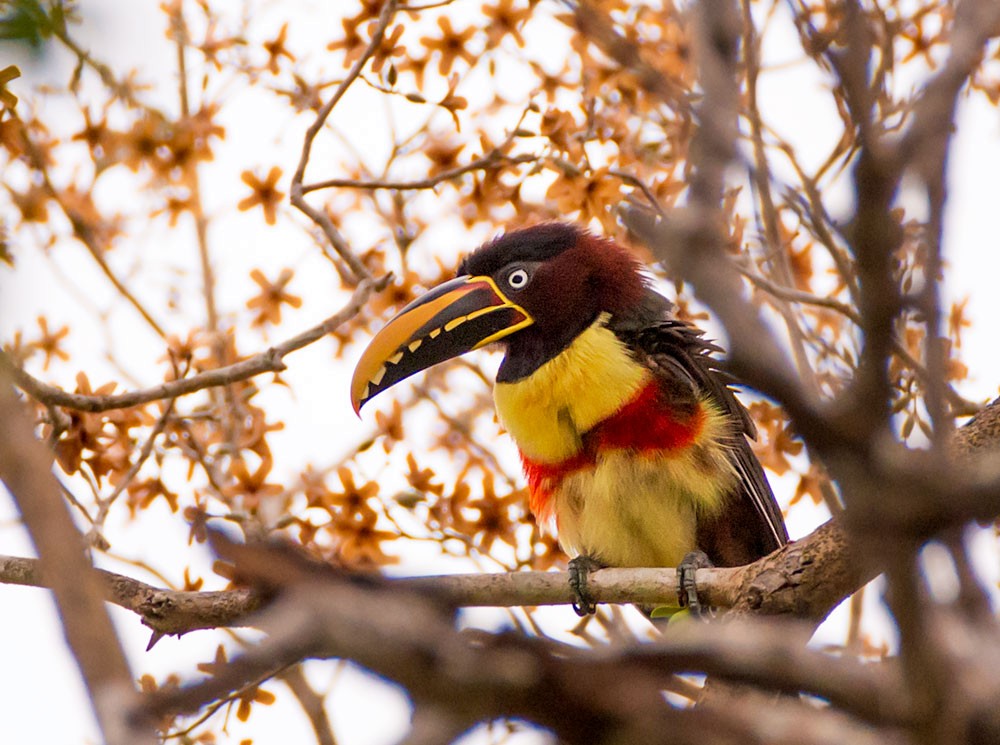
646	425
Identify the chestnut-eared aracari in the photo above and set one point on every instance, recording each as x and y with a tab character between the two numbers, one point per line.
633	445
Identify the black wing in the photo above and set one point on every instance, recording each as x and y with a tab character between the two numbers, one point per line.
751	524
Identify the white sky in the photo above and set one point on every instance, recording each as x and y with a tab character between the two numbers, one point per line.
32	709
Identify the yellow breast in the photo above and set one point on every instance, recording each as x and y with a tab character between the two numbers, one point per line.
626	508
643	510
548	412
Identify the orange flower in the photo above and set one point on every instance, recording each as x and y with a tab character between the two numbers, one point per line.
387	49
545	551
100	139
452	103
32	203
175	206
957	321
142	493
217	665
251	488
591	195
504	20
451	45
415	65
562	131
265	193
421	479
48	343
271	297
275	49
248	697
495	521
443	154
352	42
352	504
213	45
360	542
143	141
86	431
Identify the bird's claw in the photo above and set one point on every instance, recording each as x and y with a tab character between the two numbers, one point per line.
687	589
580	568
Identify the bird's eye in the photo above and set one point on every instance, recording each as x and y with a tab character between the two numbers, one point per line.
517	279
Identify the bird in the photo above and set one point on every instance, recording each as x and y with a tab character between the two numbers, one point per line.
634	447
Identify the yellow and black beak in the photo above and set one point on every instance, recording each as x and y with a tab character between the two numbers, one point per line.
456	317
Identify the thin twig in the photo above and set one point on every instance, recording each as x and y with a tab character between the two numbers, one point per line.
960	406
800	297
104	505
85	234
311	702
641	185
926	147
270	360
760	179
595	24
297	195
494	158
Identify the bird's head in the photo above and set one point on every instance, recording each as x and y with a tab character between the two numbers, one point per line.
532	290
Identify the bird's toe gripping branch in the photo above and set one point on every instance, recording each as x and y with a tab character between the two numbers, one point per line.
579	572
687	588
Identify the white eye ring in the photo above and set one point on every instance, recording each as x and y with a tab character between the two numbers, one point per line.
517	279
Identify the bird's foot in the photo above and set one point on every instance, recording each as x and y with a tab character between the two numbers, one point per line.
580	568
687	589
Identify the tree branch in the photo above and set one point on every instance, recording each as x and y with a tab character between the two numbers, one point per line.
494	158
616	693
806	579
296	191
270	360
25	469
166	612
593	23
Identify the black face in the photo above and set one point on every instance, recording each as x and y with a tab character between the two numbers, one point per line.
538	269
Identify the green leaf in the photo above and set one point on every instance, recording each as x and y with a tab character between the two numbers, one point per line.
26	21
674	615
